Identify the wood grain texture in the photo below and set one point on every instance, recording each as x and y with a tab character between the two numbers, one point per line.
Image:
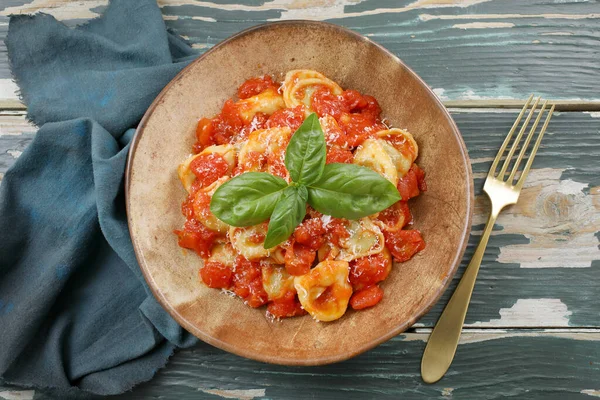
542	263
488	365
466	50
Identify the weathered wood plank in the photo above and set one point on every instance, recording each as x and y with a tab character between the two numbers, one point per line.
488	365
466	50
542	264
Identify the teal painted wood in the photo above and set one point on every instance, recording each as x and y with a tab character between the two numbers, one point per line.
516	367
490	49
563	198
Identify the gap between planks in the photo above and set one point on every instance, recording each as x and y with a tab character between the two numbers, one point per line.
560	105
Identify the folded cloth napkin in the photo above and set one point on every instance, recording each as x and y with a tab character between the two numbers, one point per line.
75	310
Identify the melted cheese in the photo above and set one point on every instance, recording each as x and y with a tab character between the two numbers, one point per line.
365	239
325	291
266	102
299	86
186	175
276	281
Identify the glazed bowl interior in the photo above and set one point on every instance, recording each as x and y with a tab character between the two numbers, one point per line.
154	193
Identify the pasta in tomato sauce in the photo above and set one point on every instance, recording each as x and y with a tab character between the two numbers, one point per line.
328	263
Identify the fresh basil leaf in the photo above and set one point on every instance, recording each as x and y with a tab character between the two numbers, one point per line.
350	191
306	153
248	199
287	215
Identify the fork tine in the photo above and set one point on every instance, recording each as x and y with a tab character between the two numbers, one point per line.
521	181
508	137
515	144
526	144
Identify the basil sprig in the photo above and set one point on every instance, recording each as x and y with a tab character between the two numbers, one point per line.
340	190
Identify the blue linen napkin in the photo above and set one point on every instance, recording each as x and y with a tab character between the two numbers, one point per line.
75	310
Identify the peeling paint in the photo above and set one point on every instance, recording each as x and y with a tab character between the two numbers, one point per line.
594	114
591	392
484	25
559	218
529	313
14	153
240	394
430	17
60	10
17	394
8	89
440	93
557	34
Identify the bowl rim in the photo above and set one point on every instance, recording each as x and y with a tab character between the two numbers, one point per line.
365	346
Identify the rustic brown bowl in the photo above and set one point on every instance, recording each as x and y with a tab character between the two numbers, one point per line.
154	193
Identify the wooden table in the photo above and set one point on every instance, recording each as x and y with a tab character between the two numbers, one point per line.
533	329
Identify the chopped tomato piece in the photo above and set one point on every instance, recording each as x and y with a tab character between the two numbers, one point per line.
396	216
277	165
369	270
187	207
247	282
326	103
257	237
310	233
299	258
291	117
420	174
208	168
197	237
359	127
286	306
259	121
355	102
404	244
336	229
255	86
227	124
204	132
337	155
366	297
216	275
411	184
201	206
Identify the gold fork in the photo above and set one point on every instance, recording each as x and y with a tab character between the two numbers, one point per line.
443	341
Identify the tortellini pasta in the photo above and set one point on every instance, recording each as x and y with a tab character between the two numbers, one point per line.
223	253
277	281
374	154
324	292
186	175
365	239
202	210
300	84
266	102
265	150
402	148
245	241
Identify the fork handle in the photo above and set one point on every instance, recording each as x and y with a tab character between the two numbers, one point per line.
443	340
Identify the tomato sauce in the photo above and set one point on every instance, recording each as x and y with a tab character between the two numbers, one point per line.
366	297
404	244
348	119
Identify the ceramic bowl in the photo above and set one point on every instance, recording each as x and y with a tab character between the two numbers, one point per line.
154	193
